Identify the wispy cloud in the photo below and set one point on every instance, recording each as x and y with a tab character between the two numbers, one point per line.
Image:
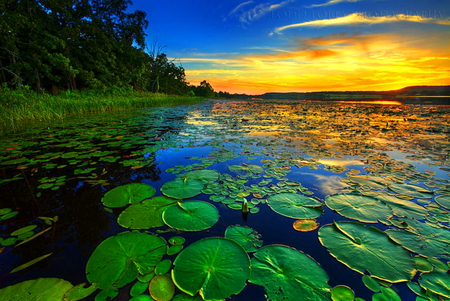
331	2
247	15
361	18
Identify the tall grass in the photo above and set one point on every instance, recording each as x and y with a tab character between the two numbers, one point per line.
22	108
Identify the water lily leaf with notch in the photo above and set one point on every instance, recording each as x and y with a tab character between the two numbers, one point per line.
119	259
204	175
79	292
403	207
342	293
248	238
364	248
145	215
437	281
191	216
37	289
362	208
127	194
249	169
376	183
412	190
305	225
182	188
216	268
295	205
422	239
287	273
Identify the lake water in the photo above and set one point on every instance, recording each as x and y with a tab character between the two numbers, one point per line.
259	150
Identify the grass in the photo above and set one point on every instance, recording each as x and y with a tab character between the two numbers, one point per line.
22	108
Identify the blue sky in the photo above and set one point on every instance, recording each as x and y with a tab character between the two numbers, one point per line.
304	45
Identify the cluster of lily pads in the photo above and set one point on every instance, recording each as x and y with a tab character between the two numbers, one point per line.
392	225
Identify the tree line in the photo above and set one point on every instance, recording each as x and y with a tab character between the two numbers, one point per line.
53	45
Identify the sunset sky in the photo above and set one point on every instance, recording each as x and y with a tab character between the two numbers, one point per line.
257	46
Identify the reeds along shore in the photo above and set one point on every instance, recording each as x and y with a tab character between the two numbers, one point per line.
22	108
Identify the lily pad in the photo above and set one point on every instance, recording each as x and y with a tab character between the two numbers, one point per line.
182	188
37	289
119	259
403	208
286	274
295	205
437	281
161	288
362	208
305	225
412	190
216	268
423	239
248	238
444	201
364	248
127	194
342	293
204	175
145	215
191	216
249	169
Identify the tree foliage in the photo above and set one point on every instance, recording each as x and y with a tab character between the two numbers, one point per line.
53	45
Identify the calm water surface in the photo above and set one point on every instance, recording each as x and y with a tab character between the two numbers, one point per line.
65	171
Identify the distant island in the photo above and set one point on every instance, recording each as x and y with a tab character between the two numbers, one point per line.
407	92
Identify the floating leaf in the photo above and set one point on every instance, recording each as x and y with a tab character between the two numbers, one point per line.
364	248
216	268
145	215
79	292
249	169
191	216
412	190
387	294
204	175
403	207
422	264
138	288
305	225
127	194
295	205
182	188
444	201
286	274
437	281
118	259
30	263
371	283
423	239
342	293
163	267
177	240
362	208
37	289
161	288
248	238
23	230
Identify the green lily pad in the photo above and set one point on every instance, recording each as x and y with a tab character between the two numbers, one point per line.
364	248
386	294
437	281
191	216
369	182
216	268
204	175
295	205
138	288
342	293
161	288
177	240
127	194
362	208
182	188
286	274
412	190
371	283
444	201
163	267
119	259
249	169
79	292
403	208
145	215
37	289
422	239
248	238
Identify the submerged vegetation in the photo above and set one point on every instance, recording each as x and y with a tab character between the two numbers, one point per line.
327	201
